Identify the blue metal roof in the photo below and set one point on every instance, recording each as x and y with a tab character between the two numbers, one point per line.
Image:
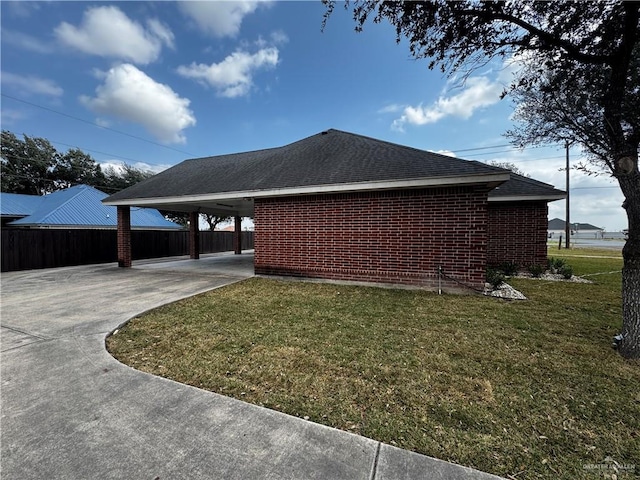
82	206
16	205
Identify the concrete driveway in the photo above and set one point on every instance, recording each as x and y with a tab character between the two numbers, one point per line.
71	411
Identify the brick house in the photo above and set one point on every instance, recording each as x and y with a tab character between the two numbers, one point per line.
346	207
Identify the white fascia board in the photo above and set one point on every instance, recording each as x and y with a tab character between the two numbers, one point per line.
531	198
322	189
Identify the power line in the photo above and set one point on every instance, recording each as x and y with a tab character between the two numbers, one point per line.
502	151
83	149
518	160
488	153
96	125
496	146
194	155
117	157
479	148
35	159
591	188
54	180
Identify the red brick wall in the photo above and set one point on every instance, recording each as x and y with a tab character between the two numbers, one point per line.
390	237
124	236
517	233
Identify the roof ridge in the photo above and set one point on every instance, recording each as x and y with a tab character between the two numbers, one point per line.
431	152
81	188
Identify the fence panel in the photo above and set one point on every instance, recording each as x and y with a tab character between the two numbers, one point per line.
25	249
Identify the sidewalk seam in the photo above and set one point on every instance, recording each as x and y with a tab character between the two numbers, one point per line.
374	468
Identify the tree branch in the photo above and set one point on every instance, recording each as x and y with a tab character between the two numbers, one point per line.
546	37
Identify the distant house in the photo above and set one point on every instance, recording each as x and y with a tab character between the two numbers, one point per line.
76	207
14	206
582	230
341	206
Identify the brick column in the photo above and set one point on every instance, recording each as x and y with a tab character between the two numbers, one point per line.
237	236
124	237
194	235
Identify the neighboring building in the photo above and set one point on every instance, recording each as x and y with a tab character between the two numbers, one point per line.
346	207
14	206
556	227
76	207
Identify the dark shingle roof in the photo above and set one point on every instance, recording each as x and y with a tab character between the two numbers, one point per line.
558	224
328	158
524	187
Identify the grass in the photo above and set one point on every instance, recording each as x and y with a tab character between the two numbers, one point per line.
528	389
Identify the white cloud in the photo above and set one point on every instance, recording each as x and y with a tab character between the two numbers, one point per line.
220	19
10	117
448	153
478	92
22	9
108	32
391	108
28	85
594	200
162	32
25	42
277	37
232	77
103	122
130	94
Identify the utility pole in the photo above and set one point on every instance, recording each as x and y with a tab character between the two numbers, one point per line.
567	225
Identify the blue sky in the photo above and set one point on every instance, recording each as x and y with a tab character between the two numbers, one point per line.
175	80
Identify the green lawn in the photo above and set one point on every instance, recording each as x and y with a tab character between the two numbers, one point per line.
530	389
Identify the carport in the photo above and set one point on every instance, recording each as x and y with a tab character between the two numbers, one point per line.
346	207
224	206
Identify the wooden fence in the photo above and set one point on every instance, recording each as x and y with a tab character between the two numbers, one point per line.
47	248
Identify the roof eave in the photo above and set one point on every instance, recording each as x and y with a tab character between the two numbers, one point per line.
530	198
491	180
52	226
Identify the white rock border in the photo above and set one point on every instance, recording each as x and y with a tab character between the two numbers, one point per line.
553	277
508	292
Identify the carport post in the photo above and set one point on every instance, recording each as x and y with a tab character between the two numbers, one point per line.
237	235
124	236
194	235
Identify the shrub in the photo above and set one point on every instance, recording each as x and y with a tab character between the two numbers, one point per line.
494	277
536	270
555	265
509	268
566	271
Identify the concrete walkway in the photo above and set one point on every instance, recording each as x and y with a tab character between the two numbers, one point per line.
71	411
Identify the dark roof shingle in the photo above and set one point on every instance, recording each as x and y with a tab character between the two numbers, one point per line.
329	158
519	186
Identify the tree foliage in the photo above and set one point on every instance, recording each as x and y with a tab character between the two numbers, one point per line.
33	166
76	167
509	166
214	220
182	218
579	82
27	165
